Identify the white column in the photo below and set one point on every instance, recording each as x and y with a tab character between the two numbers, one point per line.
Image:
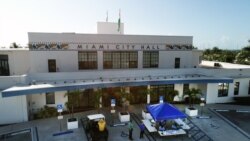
179	88
100	102
100	60
140	59
148	95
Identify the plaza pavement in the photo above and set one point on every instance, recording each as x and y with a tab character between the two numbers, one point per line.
215	127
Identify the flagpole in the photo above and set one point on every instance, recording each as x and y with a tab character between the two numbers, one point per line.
119	21
107	16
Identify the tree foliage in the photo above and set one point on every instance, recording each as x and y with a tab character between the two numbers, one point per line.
243	57
14	45
192	94
170	95
97	101
217	54
46	112
231	56
73	100
125	98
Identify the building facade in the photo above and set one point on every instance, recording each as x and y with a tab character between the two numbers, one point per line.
55	63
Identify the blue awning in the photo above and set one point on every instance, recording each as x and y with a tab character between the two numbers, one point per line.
43	88
164	111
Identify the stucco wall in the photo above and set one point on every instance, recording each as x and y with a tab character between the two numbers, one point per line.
167	59
66	61
18	61
13	109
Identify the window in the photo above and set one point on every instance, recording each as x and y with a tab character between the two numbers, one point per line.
150	59
52	65
236	88
185	88
120	60
249	88
87	60
223	89
177	63
161	90
50	98
4	65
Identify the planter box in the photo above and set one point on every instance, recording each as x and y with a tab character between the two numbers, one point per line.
72	123
124	117
191	112
146	115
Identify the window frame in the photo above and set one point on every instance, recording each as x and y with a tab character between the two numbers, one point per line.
249	88
177	62
185	88
4	65
50	95
236	88
87	60
150	59
120	59
223	89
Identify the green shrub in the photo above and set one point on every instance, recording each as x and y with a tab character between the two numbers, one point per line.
46	112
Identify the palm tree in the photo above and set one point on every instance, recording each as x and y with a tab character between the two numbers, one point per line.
98	102
124	96
243	56
171	94
73	101
147	92
192	94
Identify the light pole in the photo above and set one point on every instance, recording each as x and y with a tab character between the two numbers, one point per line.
202	104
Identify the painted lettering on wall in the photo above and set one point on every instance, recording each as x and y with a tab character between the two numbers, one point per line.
98	46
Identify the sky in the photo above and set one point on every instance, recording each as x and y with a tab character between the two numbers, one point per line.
221	23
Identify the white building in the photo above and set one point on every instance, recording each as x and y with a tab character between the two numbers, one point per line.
59	62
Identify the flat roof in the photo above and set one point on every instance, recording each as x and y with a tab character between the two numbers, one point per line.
223	65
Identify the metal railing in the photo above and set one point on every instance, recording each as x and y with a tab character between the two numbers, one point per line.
196	133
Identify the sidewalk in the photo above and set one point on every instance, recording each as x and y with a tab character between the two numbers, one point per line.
214	127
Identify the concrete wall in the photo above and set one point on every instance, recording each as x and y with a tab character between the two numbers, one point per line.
18	60
66	61
167	59
35	37
196	58
212	94
13	109
109	28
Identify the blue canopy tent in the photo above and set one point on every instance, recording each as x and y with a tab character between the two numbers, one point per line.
164	111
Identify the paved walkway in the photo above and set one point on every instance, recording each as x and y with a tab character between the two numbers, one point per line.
215	127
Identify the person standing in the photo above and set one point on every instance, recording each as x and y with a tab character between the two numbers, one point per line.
130	128
142	128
